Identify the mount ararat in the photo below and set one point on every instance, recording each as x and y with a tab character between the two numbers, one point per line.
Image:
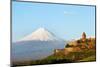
37	45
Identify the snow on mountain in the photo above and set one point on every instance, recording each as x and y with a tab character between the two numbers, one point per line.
40	34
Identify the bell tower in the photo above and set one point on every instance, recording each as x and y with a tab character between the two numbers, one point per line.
83	36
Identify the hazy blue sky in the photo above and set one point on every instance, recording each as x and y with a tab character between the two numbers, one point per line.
65	21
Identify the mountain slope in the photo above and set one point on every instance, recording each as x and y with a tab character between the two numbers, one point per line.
40	34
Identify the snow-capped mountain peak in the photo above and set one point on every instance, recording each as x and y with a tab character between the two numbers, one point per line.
40	34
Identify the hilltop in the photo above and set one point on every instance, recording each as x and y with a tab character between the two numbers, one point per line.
83	49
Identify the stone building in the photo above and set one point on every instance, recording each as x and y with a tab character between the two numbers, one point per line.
83	36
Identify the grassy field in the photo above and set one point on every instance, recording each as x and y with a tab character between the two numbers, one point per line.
90	58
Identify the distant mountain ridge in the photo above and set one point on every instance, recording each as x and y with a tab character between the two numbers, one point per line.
40	34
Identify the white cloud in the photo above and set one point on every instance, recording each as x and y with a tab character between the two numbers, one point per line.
68	13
